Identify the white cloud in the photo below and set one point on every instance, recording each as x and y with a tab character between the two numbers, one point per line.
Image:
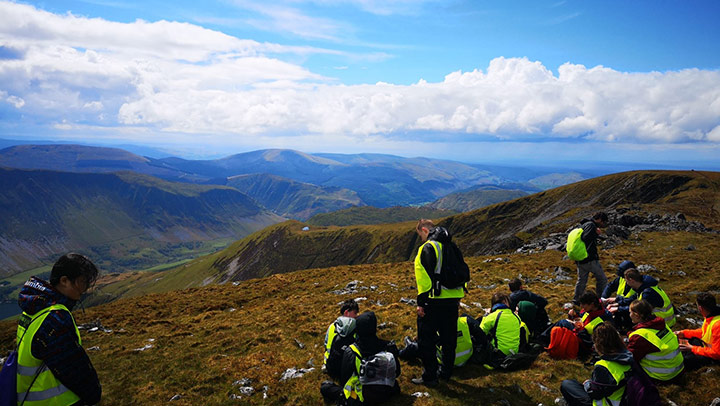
15	101
182	78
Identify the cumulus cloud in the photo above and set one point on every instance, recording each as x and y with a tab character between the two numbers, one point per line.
185	79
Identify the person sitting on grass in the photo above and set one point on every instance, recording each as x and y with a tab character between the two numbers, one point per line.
532	312
703	347
653	345
609	376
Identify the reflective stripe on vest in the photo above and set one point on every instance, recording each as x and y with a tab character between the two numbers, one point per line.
707	330
464	346
667	312
667	363
618	372
423	280
590	327
622	287
46	389
353	387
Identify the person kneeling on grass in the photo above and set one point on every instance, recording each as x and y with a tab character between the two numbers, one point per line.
609	376
704	346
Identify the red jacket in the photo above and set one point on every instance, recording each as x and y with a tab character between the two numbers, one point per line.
712	348
638	345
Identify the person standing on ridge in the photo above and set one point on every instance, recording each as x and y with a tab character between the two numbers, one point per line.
591	264
53	368
437	312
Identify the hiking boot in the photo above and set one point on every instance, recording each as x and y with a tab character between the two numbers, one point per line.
429	384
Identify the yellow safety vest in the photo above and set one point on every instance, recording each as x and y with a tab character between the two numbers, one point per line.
464	346
329	338
622	287
667	363
618	371
590	327
508	330
353	387
46	389
707	334
667	312
422	277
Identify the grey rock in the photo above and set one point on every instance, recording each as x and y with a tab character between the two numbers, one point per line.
715	402
690	247
242	382
292	373
421	395
411	302
176	397
299	344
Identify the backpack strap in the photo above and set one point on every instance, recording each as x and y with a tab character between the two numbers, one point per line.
17	347
435	277
493	332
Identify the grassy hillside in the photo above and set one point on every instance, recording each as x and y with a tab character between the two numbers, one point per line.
475	199
123	220
292	199
200	342
498	228
374	215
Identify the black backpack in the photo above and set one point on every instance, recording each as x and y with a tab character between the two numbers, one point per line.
453	272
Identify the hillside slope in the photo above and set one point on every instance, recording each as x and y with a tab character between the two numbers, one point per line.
123	220
495	229
476	199
375	215
292	199
209	345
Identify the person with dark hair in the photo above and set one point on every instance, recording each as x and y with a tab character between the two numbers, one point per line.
591	264
53	368
618	291
647	288
504	329
339	334
607	385
530	307
653	345
355	392
437	312
703	347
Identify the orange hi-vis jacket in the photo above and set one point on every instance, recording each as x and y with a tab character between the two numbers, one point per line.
710	335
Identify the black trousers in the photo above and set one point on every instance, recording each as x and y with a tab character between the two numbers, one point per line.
438	326
574	393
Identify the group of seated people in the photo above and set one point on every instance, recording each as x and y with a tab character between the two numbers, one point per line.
366	367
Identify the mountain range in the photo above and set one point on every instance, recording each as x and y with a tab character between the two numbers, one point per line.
259	341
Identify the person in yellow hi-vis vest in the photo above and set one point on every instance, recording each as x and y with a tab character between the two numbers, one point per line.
437	310
606	387
53	369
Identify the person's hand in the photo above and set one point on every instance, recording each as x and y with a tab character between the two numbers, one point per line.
679	334
572	314
685	347
578	323
420	311
612	309
610	300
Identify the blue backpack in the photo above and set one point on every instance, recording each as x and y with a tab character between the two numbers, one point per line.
8	374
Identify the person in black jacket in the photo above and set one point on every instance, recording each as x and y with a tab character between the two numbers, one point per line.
537	322
591	264
55	341
368	344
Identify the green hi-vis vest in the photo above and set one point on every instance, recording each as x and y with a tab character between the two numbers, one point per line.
46	389
618	371
624	289
422	276
464	347
667	312
507	334
707	334
353	387
667	363
590	327
575	246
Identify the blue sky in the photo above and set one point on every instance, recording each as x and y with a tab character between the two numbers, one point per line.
477	81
